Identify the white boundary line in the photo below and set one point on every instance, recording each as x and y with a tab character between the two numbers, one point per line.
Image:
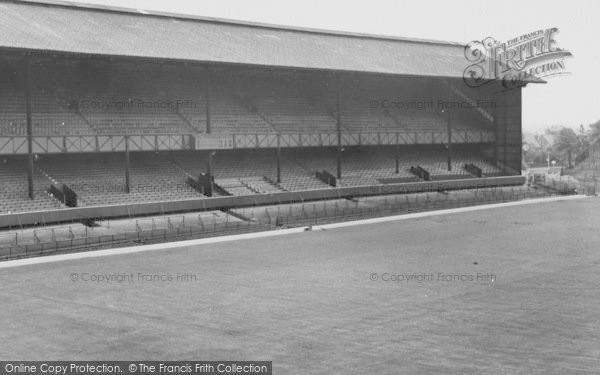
269	233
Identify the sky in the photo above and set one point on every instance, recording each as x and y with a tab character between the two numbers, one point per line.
567	100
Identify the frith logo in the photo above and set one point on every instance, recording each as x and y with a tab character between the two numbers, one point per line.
526	58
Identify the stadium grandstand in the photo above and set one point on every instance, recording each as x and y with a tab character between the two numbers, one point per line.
180	192
109	112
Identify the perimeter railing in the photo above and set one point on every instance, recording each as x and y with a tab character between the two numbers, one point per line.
74	238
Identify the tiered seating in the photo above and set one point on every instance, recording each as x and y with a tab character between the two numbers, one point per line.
59	124
434	160
187	91
230	117
229	164
234	186
100	179
137	104
359	166
13	189
423	123
295	176
12	124
12	109
357	120
228	114
151	99
368	165
51	114
154	177
252	166
359	116
300	182
290	116
487	169
43	124
396	109
290	110
261	185
136	123
126	101
227	117
110	98
96	179
438	166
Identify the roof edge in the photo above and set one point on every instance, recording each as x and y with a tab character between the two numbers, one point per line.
161	14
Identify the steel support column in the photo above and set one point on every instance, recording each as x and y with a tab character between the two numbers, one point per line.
27	79
278	158
127	166
339	127
397	153
207	91
449	115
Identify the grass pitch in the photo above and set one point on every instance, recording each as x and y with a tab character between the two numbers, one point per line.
354	300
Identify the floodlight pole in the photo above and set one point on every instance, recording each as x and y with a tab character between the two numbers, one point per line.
30	187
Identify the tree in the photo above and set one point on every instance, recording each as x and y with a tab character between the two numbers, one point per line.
595	129
583	137
566	142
